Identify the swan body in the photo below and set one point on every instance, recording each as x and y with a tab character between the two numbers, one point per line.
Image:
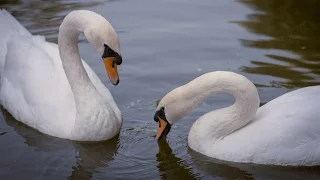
285	131
61	97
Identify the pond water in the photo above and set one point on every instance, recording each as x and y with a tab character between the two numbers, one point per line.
166	44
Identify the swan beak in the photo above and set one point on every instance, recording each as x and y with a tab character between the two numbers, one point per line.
111	67
164	128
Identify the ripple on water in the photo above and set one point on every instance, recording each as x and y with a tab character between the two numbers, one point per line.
166	44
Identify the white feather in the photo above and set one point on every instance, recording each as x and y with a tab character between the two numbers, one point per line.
35	90
285	131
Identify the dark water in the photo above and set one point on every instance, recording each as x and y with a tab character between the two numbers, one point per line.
164	45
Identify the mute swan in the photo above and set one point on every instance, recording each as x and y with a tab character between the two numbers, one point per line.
285	131
60	97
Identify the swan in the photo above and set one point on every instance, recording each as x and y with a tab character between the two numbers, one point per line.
285	131
63	97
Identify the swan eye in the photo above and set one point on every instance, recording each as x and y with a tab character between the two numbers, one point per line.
164	125
160	113
108	52
111	60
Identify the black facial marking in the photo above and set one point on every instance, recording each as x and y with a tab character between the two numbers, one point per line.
160	113
108	52
165	131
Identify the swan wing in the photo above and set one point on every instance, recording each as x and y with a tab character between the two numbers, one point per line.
33	86
286	131
9	27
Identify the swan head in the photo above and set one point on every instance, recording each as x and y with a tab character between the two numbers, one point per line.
164	125
103	37
173	107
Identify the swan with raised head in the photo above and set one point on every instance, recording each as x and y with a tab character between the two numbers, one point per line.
285	131
50	88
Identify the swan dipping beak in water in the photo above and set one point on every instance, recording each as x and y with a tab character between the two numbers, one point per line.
164	125
284	131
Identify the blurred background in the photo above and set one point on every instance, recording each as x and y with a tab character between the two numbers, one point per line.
165	44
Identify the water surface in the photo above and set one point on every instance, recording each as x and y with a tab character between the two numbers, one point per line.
165	44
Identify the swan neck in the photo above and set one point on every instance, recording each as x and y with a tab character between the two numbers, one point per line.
222	122
70	29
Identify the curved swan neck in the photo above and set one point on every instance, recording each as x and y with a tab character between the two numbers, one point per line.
71	27
222	122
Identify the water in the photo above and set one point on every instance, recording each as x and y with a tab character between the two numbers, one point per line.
164	45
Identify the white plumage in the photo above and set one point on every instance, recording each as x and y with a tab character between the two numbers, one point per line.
36	90
285	131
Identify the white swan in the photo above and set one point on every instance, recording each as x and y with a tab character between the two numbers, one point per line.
60	97
285	131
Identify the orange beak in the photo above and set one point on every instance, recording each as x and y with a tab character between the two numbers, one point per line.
164	128
111	68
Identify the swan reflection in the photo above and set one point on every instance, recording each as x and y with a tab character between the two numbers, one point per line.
170	166
230	170
58	157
